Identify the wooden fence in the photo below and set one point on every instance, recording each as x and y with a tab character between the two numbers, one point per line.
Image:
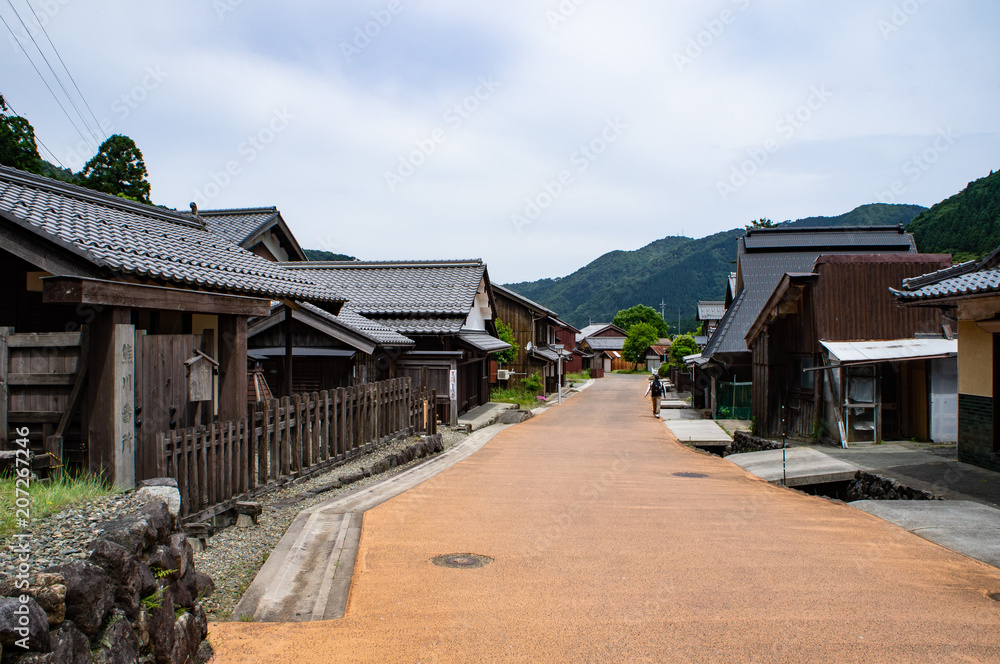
215	465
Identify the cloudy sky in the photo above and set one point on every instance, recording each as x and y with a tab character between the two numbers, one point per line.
536	134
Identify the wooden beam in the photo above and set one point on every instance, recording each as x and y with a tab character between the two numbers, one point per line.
34	416
101	424
289	315
5	333
23	379
48	340
73	290
232	368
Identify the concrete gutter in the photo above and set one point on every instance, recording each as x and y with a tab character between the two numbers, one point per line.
308	575
802	466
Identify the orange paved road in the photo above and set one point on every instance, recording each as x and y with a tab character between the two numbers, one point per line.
603	555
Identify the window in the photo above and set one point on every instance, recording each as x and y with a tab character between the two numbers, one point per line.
800	378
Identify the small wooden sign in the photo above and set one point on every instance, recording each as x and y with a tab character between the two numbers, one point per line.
200	377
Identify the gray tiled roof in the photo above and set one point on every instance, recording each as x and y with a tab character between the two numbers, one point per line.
400	290
431	325
130	238
711	310
375	332
957	281
606	343
781	251
237	225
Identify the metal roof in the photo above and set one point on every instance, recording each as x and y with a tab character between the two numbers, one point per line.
854	352
483	341
887	238
711	310
146	241
788	250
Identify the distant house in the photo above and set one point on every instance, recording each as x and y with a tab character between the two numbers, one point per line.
261	231
445	307
709	313
658	354
108	306
970	294
536	330
832	353
764	256
603	344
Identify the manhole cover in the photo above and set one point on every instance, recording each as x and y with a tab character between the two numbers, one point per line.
690	475
462	560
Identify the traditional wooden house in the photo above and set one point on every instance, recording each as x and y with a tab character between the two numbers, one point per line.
106	301
328	351
261	231
574	357
709	314
603	342
969	295
658	354
445	307
764	256
536	330
834	356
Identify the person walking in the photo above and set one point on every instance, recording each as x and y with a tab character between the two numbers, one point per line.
656	390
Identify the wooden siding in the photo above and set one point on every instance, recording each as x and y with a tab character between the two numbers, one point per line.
526	329
853	302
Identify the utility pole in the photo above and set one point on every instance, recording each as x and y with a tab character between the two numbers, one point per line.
678	320
663	310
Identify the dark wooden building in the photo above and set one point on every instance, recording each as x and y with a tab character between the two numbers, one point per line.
601	345
108	307
445	307
536	330
833	353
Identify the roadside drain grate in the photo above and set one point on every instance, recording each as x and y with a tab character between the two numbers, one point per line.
462	560
690	475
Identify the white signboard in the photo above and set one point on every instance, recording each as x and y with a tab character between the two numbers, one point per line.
124	407
453	385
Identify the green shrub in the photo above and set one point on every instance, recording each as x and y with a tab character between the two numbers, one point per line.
532	383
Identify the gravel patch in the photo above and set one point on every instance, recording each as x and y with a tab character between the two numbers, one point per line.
235	555
65	536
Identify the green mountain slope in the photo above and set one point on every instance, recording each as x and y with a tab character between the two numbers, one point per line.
967	225
320	255
676	270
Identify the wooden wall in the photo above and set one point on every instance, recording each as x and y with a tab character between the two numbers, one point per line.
526	329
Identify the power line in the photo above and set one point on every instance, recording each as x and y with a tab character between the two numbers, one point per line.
41	76
45	32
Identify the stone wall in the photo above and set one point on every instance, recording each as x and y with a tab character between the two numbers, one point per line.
744	442
867	486
134	599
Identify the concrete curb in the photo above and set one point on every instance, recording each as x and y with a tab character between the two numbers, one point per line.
325	538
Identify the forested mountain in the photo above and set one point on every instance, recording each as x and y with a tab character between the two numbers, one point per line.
967	225
679	271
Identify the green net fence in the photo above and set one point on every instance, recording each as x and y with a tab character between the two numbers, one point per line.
733	401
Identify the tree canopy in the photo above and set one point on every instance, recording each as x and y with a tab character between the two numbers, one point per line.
640	313
118	169
640	337
682	346
505	333
17	143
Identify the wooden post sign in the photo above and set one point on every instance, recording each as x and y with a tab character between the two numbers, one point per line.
200	373
124	407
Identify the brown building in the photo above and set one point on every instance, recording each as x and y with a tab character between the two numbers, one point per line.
832	352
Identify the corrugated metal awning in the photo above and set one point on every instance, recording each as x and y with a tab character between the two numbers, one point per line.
896	350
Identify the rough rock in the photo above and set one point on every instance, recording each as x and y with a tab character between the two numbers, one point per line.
189	632
68	645
135	532
141	626
118	644
513	417
23	620
49	590
182	552
147	581
169	495
89	594
163	562
159	518
205	586
161	629
123	570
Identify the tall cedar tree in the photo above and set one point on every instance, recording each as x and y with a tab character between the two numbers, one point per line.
118	169
17	143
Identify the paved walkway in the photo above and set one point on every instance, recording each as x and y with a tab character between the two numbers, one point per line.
603	553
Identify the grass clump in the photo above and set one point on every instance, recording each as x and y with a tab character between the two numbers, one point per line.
580	376
45	498
521	397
